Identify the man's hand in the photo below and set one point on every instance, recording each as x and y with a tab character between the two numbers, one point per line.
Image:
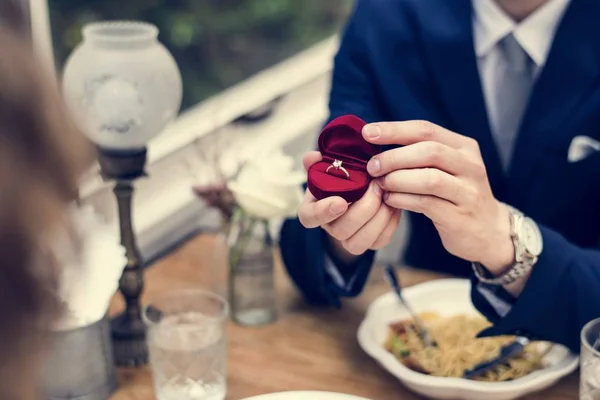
353	229
441	174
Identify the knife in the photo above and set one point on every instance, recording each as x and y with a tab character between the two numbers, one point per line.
508	351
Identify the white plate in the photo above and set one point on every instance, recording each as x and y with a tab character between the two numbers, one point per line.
449	297
306	396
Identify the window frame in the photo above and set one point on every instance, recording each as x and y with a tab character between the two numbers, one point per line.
210	115
165	210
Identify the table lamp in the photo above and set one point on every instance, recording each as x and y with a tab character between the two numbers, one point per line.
125	87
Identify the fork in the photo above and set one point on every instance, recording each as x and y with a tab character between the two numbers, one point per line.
392	280
508	351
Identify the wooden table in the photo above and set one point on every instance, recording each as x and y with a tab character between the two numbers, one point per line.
306	349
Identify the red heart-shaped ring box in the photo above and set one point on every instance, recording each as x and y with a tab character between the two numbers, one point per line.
342	140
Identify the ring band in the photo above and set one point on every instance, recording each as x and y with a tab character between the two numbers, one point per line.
337	164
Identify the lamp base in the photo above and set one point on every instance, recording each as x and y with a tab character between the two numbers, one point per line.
122	164
129	341
128	329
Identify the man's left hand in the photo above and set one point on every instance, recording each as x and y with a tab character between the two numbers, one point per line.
441	174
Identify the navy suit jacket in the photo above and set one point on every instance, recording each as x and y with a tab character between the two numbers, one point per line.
415	59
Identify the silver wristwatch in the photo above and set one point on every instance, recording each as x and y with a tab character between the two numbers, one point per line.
528	243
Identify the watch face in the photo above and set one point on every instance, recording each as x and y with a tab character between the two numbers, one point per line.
532	237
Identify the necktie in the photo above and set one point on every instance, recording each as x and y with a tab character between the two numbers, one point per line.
514	83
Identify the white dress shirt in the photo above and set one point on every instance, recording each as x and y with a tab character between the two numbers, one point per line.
535	34
491	24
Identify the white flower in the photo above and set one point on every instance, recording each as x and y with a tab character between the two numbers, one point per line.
268	187
89	278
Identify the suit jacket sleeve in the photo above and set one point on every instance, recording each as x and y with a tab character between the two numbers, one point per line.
352	92
560	297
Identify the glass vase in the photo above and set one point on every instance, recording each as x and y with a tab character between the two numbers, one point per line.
251	272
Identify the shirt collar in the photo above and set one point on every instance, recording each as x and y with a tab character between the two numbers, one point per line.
535	33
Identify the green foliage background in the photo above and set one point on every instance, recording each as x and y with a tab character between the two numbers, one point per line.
216	43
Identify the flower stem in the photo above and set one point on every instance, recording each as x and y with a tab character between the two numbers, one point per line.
241	243
245	226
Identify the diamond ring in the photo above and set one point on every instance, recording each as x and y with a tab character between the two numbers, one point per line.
337	164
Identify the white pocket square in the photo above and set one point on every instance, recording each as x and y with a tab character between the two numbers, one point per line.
582	147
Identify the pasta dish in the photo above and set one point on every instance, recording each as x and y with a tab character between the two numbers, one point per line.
458	350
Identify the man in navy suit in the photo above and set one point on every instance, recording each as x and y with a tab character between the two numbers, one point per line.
500	101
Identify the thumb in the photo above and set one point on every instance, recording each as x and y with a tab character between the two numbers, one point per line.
310	158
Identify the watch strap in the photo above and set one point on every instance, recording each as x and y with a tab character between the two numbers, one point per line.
523	263
516	271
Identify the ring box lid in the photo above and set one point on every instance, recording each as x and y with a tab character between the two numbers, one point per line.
342	140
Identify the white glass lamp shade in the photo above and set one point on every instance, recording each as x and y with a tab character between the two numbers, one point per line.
122	84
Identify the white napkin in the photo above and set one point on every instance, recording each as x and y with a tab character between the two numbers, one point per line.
89	280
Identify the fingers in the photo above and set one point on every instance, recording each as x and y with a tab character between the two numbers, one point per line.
418	155
425	181
358	215
313	213
432	207
410	132
310	158
364	238
386	236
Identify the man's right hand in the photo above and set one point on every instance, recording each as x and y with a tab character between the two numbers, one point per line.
352	228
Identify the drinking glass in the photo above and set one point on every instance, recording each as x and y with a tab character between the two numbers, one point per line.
187	344
589	388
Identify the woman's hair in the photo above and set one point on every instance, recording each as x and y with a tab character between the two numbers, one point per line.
42	154
14	14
